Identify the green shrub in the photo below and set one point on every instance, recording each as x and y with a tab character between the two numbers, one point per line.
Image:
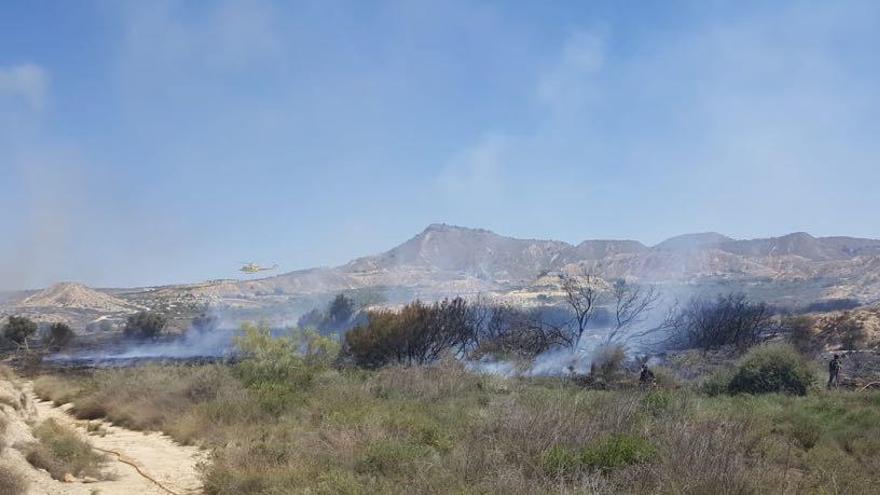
390	457
318	351
18	329
772	368
60	335
718	382
618	451
561	461
271	367
657	402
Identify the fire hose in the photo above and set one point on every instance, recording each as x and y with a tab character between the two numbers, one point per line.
123	459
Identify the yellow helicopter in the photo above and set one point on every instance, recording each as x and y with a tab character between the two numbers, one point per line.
255	268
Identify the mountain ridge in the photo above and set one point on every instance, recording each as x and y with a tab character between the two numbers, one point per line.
447	258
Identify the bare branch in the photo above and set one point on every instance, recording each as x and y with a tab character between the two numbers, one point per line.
581	295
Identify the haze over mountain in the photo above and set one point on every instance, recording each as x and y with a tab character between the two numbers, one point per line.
445	260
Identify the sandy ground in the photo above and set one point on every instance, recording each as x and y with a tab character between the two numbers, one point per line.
136	458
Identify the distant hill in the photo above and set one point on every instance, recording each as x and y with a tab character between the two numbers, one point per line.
692	242
76	297
475	252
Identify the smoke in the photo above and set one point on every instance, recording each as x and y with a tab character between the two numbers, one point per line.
192	346
555	362
215	342
642	338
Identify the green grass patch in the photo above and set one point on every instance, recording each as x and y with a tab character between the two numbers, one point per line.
610	453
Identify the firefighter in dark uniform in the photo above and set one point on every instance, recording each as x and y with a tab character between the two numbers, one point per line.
646	377
834	371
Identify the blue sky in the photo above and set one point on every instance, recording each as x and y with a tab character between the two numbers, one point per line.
163	141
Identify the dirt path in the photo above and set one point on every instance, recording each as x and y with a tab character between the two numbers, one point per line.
140	463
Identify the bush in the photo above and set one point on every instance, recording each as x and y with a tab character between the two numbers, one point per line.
418	334
60	335
145	325
318	351
773	368
718	383
60	451
271	367
18	329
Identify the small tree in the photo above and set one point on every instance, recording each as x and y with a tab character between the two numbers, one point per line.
581	294
339	316
632	303
340	311
59	336
145	325
730	319
18	329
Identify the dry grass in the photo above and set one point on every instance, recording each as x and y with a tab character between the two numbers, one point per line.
7	374
61	451
444	430
11	481
177	400
4	424
56	389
